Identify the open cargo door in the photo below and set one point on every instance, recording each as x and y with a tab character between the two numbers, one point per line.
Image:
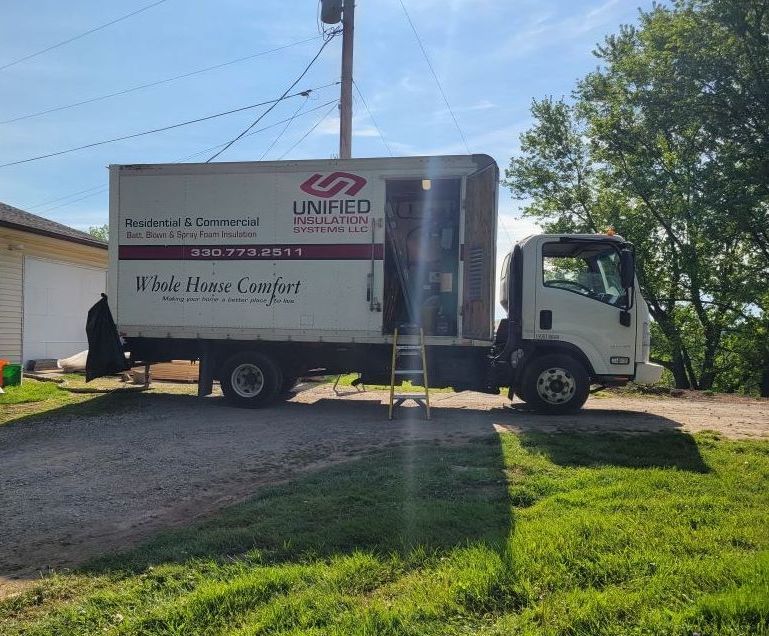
479	253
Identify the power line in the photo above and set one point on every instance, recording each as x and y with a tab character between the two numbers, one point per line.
285	128
139	87
334	105
371	117
81	35
257	131
435	76
326	40
162	129
101	188
67	196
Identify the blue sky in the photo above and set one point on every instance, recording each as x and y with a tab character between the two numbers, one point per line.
492	56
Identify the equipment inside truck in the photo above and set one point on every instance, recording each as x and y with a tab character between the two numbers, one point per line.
421	264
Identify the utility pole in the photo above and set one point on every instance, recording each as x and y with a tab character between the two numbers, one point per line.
345	102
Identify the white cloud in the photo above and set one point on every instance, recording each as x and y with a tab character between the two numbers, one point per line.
480	106
401	148
330	126
499	142
415	83
546	30
483	104
365	131
81	219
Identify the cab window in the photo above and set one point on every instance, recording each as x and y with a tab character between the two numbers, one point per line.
590	269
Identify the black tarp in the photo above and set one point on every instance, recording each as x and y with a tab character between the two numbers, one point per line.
105	351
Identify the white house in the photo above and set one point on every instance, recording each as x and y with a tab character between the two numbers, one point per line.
50	275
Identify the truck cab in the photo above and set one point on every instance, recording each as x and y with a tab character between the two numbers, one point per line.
575	317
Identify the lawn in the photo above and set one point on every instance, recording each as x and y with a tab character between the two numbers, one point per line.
407	386
532	534
32	397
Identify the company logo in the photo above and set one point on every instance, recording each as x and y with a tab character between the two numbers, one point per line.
333	184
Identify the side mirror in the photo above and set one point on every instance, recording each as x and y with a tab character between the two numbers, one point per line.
627	267
624	318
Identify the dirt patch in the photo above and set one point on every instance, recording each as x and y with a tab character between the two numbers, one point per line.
658	392
75	485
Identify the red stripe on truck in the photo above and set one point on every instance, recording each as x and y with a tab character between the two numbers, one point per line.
272	252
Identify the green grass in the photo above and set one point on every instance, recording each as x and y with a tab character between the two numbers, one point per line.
407	386
553	534
32	398
29	391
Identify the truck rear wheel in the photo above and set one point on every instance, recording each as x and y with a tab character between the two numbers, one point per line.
251	379
287	387
555	384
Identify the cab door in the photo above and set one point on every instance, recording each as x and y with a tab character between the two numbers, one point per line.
579	301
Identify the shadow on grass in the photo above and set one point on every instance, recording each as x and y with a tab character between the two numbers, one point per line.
96	404
87	406
666	449
426	497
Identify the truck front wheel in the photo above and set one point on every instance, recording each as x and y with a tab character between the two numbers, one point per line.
251	379
555	384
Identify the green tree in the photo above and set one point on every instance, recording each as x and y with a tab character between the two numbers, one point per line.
660	142
100	232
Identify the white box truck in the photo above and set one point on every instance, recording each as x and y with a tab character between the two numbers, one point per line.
268	271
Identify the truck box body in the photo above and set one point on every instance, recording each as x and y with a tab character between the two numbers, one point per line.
297	251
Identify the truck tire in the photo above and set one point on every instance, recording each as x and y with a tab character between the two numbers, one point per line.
287	388
251	379
519	394
555	384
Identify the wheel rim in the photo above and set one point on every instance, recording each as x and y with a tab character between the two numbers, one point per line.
556	385
247	380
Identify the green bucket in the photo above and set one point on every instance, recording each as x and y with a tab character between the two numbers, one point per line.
11	375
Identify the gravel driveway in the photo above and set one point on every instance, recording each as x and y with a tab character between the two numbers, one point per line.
74	486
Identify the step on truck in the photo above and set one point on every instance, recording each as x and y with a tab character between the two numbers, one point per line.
266	272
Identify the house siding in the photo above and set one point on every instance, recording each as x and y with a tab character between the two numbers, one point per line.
12	278
11	271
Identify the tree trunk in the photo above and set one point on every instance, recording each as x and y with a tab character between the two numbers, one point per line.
765	382
708	371
692	381
677	364
678	369
678	356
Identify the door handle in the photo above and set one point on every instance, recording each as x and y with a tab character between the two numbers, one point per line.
546	319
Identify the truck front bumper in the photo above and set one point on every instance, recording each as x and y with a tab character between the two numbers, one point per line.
647	373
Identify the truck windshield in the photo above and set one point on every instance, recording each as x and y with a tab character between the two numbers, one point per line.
589	269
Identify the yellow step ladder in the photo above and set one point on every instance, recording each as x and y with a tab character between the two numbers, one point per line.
399	370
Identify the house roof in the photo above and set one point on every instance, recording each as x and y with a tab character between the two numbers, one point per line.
17	219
